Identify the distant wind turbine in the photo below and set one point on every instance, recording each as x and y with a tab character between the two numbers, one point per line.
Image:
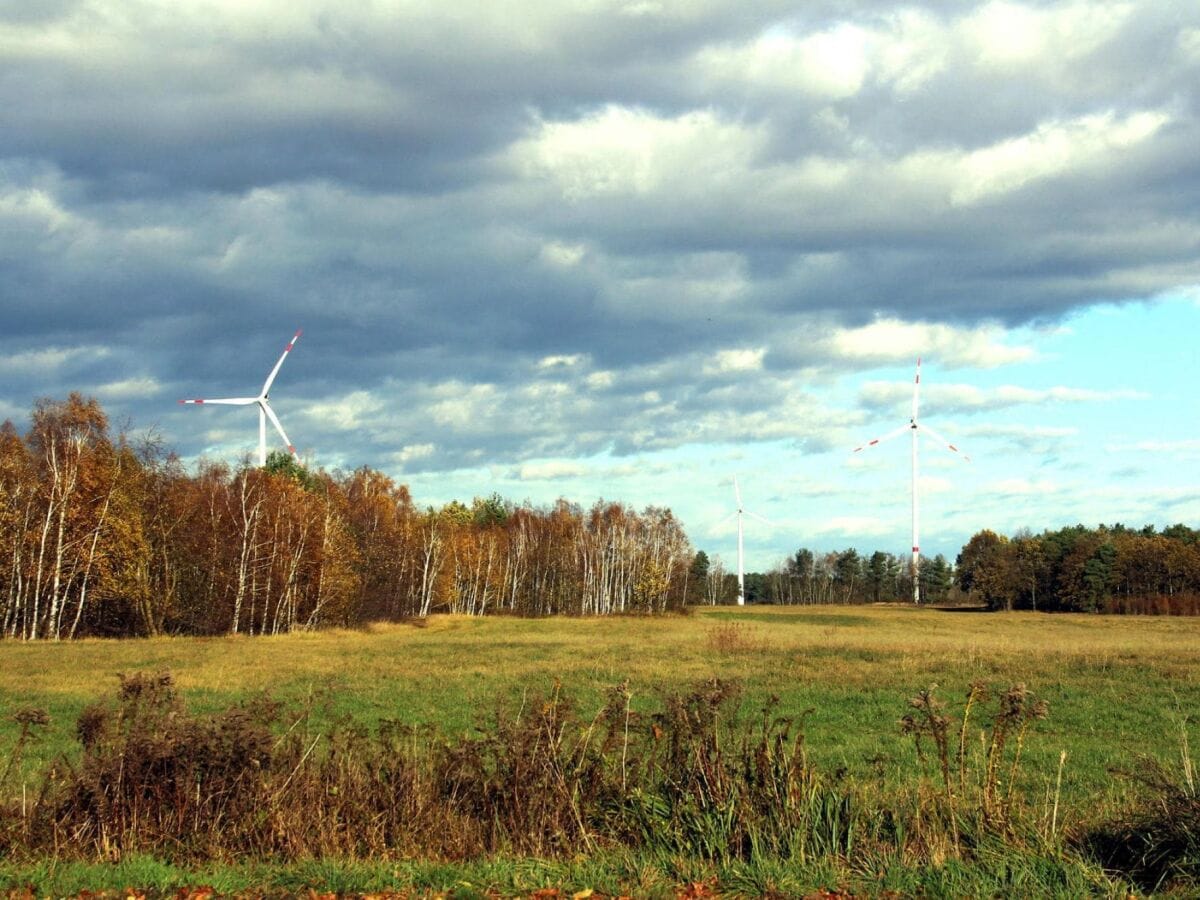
915	427
741	555
264	407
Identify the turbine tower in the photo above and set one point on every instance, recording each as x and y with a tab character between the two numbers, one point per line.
914	427
741	555
264	407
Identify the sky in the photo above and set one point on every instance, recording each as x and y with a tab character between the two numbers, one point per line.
627	249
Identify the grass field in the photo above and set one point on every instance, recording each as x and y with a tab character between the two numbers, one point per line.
1119	689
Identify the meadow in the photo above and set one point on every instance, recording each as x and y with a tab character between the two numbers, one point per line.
1120	691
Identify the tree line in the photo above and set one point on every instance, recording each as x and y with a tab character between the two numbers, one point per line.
1110	568
99	536
838	577
102	537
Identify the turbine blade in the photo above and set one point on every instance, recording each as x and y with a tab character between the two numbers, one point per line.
762	519
275	371
737	492
887	437
265	407
916	390
945	443
226	401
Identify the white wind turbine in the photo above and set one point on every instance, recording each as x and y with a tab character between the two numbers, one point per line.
264	407
915	427
741	555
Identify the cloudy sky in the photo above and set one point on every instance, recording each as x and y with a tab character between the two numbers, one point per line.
627	248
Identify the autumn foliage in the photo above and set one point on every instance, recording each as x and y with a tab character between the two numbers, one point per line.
1078	569
99	536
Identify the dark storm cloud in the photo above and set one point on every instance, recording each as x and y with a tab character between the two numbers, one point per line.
446	198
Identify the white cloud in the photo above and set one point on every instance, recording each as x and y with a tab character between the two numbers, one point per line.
565	361
1023	487
851	526
1011	395
917	49
556	253
931	484
891	340
464	406
1009	35
832	63
411	452
551	470
129	388
1185	447
1189	43
965	397
37	209
726	361
622	151
642	9
541	391
1023	431
1051	149
50	360
1039	438
353	411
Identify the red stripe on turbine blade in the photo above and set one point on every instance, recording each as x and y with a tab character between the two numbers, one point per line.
291	449
873	443
952	447
916	549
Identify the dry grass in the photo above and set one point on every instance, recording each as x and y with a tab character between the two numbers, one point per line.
829	644
735	637
1110	681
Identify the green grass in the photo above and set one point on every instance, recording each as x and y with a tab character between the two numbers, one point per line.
1117	687
1114	684
614	874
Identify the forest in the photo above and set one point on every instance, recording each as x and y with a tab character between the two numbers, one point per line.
102	537
1109	568
839	577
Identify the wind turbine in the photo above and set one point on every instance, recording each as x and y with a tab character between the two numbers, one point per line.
264	407
741	555
915	427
